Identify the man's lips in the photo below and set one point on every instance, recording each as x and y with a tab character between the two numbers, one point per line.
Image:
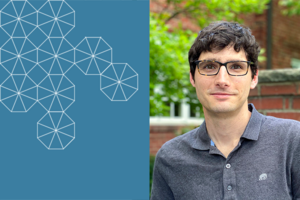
220	95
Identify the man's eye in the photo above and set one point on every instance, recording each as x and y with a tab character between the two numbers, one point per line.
209	67
236	67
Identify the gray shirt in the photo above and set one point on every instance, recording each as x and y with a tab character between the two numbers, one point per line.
264	165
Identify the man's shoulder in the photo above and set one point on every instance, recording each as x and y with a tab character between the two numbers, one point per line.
287	128
179	144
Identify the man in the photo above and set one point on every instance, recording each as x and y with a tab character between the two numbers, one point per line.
237	153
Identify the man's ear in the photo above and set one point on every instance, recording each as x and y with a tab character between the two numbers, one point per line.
254	80
192	79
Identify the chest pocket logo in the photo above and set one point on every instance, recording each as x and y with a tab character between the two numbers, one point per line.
263	176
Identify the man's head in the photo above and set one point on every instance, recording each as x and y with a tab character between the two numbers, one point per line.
219	35
222	91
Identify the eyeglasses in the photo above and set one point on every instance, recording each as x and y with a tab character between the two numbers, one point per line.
212	67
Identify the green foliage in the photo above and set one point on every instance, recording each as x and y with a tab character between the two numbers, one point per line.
169	68
206	11
291	7
262	58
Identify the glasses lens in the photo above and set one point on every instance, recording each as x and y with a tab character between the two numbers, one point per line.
208	67
237	68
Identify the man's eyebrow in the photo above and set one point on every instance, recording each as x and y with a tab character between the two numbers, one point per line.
214	59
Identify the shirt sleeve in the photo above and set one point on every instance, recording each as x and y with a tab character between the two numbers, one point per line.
296	172
160	187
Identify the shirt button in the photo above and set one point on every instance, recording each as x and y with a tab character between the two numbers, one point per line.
228	166
229	187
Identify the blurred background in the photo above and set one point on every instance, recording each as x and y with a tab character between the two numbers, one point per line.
174	24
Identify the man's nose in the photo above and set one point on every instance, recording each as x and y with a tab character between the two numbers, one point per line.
222	78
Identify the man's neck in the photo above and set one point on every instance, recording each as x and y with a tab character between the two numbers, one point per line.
225	129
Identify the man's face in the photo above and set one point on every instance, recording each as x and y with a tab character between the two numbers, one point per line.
223	93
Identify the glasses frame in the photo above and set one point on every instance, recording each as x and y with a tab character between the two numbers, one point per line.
222	64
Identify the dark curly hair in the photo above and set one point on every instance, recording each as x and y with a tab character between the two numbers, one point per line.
221	34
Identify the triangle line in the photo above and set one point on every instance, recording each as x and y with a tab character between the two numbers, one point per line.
23	8
46	97
22	66
28	97
27	14
89	65
109	86
66	51
128	85
28	89
45	89
51	117
66	126
7	51
115	92
102	60
50	41
29	60
45	126
28	51
69	6
66	14
7	61
52	20
8	23
102	51
83	52
66	60
9	15
65	22
15	9
27	22
62	109
43	106
51	140
6	70
14	104
8	89
66	134
60	32
22	28
123	91
8	97
109	78
129	77
46	134
51	80
123	72
52	9
66	88
22	102
97	45
46	60
83	60
59	119
66	97
60	141
44	13
46	52
115	73
88	45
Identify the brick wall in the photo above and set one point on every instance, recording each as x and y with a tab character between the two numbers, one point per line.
159	135
278	93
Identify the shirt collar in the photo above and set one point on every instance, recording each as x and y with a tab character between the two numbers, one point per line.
201	140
